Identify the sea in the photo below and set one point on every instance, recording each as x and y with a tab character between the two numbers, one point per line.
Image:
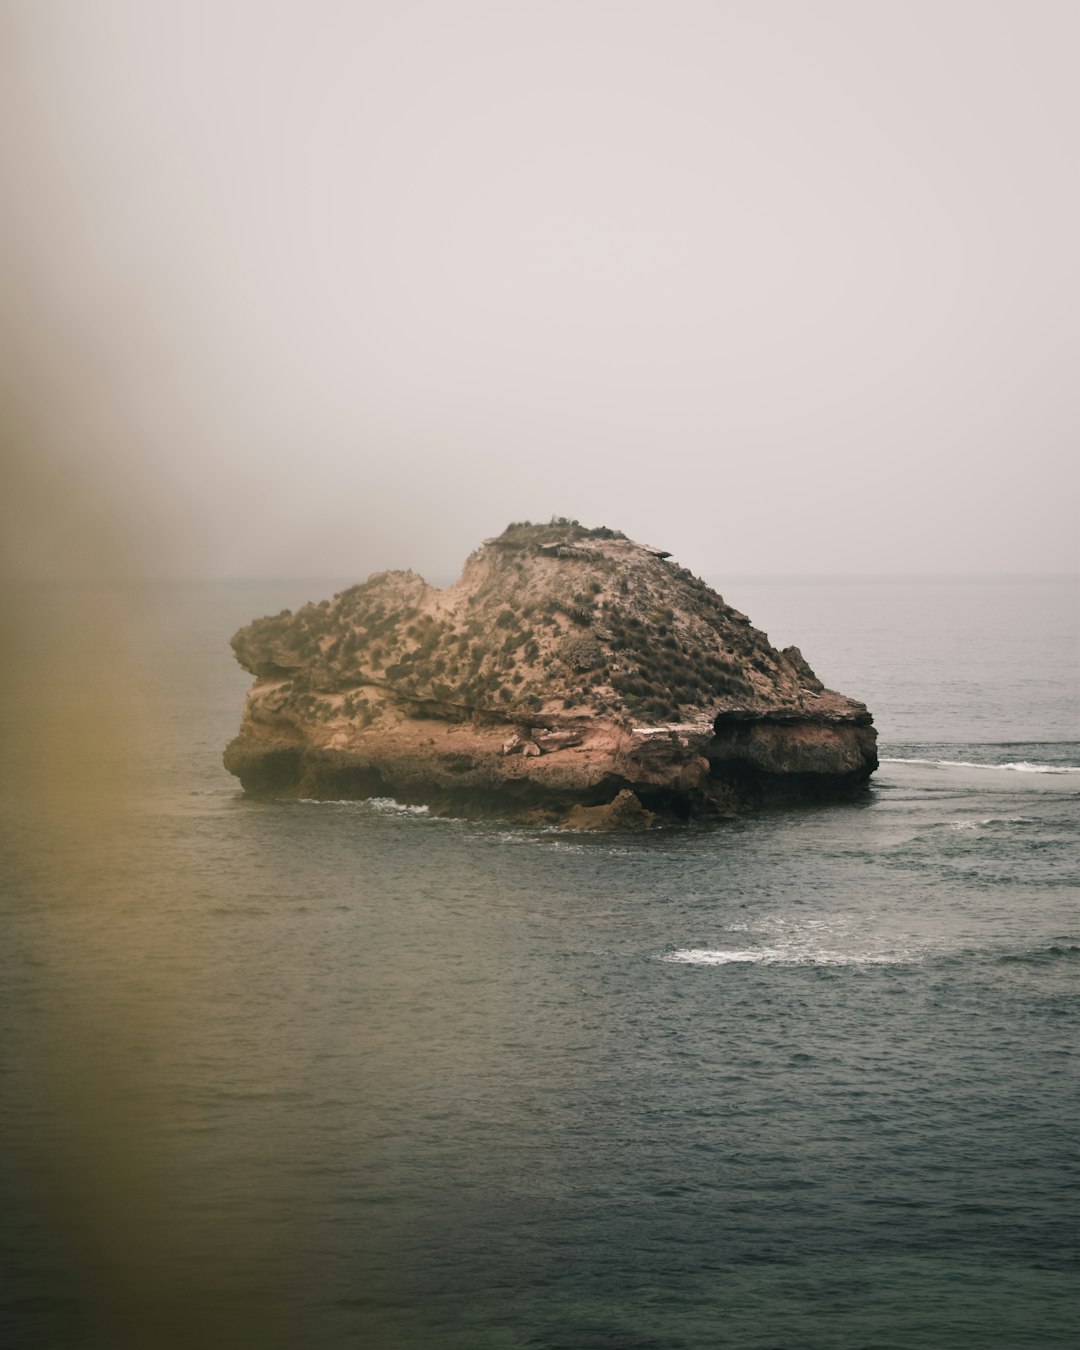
344	1074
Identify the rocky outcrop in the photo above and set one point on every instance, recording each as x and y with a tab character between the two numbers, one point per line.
569	676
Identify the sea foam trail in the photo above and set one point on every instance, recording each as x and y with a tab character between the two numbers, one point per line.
981	824
1018	766
781	956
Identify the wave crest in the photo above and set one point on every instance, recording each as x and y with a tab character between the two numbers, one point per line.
1057	951
1015	766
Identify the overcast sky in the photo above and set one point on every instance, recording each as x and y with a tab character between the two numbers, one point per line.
318	288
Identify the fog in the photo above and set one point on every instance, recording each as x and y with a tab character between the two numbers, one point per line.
303	290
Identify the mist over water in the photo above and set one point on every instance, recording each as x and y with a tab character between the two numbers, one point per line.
784	287
333	1073
951	660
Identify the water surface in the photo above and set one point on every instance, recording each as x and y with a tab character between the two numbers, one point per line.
808	1079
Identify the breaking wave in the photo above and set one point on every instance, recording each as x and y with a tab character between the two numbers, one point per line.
387	806
1016	766
381	806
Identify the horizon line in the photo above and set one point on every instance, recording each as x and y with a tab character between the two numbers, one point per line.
296	578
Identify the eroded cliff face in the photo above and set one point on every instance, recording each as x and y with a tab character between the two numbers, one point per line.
570	676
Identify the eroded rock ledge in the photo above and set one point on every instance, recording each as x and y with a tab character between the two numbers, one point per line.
570	676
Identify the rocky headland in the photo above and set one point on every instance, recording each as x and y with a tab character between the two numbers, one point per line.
570	676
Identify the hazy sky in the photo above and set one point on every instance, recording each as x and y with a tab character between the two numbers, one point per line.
318	288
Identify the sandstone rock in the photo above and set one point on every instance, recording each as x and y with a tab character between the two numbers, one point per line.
551	741
625	812
567	668
799	664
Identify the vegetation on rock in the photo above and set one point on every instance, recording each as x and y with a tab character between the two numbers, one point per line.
545	619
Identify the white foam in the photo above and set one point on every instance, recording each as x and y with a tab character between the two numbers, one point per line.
706	956
388	806
781	956
1019	766
989	820
385	806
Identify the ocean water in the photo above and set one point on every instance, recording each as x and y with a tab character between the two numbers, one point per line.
343	1074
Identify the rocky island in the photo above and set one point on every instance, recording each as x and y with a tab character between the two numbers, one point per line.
570	676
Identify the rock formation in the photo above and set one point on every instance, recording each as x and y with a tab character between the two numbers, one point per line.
569	676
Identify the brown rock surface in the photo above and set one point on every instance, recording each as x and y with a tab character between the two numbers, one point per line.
564	668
